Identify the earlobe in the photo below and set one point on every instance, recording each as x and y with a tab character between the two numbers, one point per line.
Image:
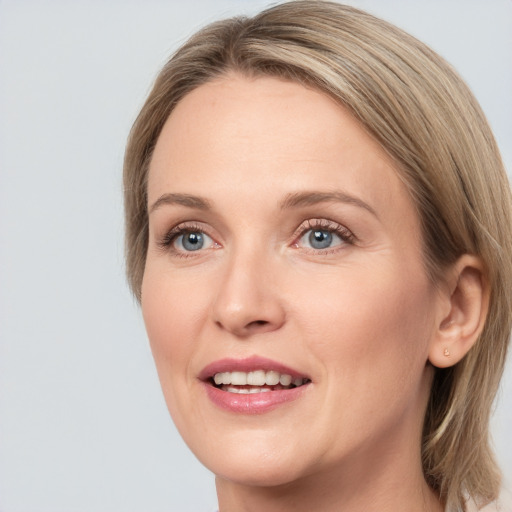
465	302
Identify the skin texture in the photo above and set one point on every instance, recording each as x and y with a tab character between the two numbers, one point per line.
359	318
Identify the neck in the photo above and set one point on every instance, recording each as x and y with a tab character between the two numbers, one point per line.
333	492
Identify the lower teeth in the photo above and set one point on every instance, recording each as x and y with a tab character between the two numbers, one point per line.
244	391
252	390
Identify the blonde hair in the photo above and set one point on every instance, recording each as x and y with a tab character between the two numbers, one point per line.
414	104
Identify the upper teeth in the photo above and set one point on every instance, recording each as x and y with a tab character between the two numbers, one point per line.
256	378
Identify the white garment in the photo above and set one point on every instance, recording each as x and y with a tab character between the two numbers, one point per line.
503	504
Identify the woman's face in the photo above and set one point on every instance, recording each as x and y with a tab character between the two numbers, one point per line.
285	265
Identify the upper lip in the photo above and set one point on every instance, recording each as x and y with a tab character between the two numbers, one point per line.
247	364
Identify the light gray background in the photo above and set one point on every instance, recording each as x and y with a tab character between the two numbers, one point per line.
83	425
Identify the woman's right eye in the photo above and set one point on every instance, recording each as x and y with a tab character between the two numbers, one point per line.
185	239
190	241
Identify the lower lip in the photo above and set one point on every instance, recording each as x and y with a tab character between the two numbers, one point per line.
254	403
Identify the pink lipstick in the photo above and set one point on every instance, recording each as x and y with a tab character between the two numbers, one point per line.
252	385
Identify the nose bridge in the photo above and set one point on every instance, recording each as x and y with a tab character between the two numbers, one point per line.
247	300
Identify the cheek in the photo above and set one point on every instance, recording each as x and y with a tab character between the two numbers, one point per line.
370	333
173	312
371	325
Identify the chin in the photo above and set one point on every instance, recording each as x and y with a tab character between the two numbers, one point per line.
252	459
259	475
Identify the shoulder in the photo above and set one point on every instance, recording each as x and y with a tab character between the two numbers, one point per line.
502	504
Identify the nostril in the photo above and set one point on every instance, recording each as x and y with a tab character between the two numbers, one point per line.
257	323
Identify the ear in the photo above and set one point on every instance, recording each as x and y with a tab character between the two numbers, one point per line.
462	311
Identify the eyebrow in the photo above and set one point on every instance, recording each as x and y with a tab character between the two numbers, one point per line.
294	200
299	199
187	200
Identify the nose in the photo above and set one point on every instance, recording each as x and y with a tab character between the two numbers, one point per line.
248	301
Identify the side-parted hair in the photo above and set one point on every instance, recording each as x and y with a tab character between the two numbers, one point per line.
421	112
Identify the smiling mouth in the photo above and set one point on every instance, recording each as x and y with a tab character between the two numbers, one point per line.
257	381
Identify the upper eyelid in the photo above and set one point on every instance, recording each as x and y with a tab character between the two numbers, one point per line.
306	225
189	225
170	235
323	224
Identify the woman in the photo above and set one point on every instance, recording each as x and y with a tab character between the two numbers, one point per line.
319	233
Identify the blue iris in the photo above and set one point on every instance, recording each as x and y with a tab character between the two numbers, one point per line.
193	241
320	239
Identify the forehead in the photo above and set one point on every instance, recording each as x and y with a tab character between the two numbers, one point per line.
239	138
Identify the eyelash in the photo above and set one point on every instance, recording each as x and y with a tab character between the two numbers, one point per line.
167	242
172	235
345	235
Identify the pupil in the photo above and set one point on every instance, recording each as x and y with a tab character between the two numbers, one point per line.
320	239
193	241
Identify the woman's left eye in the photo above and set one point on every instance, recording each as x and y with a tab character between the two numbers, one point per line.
322	237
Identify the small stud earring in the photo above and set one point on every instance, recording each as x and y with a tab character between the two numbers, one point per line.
446	352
